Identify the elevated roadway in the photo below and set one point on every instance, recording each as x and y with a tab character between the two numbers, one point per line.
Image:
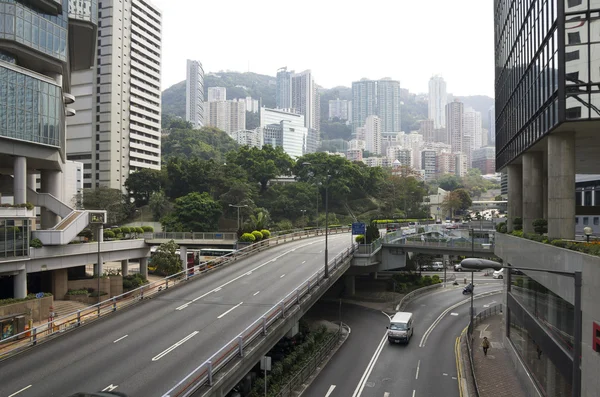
147	349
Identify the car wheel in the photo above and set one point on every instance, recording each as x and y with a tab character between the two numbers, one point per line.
500	277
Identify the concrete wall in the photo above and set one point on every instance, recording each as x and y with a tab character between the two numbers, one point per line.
112	285
38	308
522	252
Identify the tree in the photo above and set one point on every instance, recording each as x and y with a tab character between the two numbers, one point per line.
449	182
166	260
141	184
207	143
252	120
260	220
451	203
159	204
289	200
196	212
262	165
115	203
465	199
498	198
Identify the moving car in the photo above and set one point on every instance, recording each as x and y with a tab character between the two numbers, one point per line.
400	328
498	274
437	266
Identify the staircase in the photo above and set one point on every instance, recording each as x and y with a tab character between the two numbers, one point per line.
62	308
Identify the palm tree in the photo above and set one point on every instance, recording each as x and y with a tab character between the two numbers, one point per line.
261	220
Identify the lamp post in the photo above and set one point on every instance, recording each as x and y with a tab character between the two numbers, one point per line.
238	213
141	211
588	232
480	264
303	214
326	271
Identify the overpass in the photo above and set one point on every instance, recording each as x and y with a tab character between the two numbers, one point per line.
203	335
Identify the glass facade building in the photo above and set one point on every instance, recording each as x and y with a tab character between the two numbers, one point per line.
14	238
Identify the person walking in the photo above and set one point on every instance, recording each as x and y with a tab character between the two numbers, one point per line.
486	345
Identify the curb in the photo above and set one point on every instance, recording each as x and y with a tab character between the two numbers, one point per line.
462	379
322	365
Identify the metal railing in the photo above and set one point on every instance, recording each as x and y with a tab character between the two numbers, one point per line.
58	325
451	244
406	299
369	249
229	236
205	372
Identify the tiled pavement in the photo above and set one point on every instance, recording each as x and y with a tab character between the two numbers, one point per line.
495	373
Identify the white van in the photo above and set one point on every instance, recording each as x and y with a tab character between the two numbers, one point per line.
401	327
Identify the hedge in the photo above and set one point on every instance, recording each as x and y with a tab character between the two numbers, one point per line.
257	235
247	238
10	301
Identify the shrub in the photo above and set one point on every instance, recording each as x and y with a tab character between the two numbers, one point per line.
360	239
257	235
517	233
518	224
95	294
78	292
134	281
139	230
427	280
501	227
125	230
421	230
36	243
247	238
87	233
266	234
148	229
540	226
435	278
116	231
109	234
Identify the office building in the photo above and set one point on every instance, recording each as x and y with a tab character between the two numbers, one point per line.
426	129
429	164
194	94
454	125
441	135
484	159
36	98
492	130
217	94
305	99
373	135
376	98
340	109
284	129
228	116
356	144
119	129
547	120
438	98
283	91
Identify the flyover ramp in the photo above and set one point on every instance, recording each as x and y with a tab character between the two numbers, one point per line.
147	349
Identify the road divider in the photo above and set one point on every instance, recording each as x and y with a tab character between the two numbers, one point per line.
175	346
369	369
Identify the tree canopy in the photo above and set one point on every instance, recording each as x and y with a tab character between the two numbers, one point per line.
196	212
113	201
263	164
207	143
141	184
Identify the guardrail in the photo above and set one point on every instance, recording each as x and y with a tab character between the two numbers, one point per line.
369	249
205	372
56	326
406	299
229	236
450	244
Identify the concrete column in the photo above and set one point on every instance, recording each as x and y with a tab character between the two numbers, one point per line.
60	278
20	180
125	267
515	193
545	188
144	267
51	183
20	284
533	190
561	182
294	330
183	256
349	285
32	181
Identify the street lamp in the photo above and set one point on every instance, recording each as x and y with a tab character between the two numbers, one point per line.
141	211
326	272
480	264
238	213
588	232
303	214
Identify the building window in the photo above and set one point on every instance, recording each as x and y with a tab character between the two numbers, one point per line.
586	221
571	56
573	3
587	200
596	221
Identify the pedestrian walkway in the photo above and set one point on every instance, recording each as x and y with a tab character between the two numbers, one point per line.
495	373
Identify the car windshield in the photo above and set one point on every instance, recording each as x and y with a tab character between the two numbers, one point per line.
398	327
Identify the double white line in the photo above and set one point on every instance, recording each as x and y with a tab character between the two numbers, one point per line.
367	373
175	346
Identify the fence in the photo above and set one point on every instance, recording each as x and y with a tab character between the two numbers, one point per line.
490	311
55	326
313	363
205	372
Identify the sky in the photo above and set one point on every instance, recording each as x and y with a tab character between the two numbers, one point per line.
340	41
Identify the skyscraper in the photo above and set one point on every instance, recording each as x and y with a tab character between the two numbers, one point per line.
364	102
491	139
283	91
217	94
437	101
454	125
472	127
373	134
426	129
194	94
118	131
228	116
376	97
305	98
341	109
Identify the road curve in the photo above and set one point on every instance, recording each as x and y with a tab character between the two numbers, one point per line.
146	349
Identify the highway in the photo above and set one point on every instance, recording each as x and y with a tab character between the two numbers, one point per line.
146	349
368	366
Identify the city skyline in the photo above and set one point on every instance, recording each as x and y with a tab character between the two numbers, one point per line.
331	70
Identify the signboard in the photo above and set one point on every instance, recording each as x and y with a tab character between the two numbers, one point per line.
39	295
265	363
97	217
359	228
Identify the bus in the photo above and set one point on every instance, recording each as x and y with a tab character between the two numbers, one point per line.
208	254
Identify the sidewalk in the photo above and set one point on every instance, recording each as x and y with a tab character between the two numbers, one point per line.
495	373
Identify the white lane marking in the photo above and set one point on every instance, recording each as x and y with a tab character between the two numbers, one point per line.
23	389
454	377
249	273
454	314
202	296
441	316
110	387
418	366
121	338
218	289
386	394
256	293
182	306
331	389
282	276
369	369
388	316
445	374
303	262
230	310
320	251
489	304
175	346
414	391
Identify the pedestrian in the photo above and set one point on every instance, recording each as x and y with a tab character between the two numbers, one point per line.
485	344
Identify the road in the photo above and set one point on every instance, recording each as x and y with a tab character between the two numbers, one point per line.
146	349
368	366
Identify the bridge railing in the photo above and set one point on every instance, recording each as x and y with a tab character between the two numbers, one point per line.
204	374
56	326
190	236
449	244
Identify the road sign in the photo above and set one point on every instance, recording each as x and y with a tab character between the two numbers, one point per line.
265	363
358	228
39	295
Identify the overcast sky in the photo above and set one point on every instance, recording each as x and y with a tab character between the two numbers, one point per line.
341	41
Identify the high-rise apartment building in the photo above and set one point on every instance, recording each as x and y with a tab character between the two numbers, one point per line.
455	125
283	91
216	94
194	94
472	127
251	105
340	109
373	135
491	138
119	131
547	121
484	159
426	129
429	163
305	98
379	98
252	138
228	116
438	99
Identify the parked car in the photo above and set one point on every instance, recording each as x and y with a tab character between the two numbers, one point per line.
498	274
437	266
426	267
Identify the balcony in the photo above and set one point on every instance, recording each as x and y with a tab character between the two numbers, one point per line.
83	28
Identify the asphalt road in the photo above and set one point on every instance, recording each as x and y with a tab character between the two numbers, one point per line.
368	366
146	349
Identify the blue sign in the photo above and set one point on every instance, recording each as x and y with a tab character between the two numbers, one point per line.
358	228
39	295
